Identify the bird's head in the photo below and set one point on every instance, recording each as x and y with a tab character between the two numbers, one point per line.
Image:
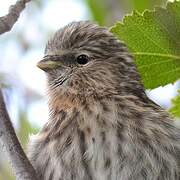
85	60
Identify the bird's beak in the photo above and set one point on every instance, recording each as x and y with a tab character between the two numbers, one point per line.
48	64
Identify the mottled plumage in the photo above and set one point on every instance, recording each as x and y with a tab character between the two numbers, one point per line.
101	126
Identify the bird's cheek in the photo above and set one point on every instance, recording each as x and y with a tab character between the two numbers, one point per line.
72	83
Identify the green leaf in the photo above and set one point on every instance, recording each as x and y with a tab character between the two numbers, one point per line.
175	109
154	39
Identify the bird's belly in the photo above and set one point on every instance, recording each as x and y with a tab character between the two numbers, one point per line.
101	156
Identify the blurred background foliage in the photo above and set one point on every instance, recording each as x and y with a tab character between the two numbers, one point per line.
23	84
106	12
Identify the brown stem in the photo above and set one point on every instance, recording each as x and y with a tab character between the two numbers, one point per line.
20	164
7	21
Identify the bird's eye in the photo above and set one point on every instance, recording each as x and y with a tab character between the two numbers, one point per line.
82	59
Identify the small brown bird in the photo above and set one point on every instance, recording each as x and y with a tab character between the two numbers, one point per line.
102	126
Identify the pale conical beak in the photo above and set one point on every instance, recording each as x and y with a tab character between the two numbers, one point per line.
47	64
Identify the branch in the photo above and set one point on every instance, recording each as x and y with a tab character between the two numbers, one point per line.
20	164
19	161
7	21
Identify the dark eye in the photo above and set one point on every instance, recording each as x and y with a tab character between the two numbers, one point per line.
82	59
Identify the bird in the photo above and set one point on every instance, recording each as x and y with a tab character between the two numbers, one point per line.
102	125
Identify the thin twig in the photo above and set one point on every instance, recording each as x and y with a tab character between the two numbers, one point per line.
7	21
20	164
